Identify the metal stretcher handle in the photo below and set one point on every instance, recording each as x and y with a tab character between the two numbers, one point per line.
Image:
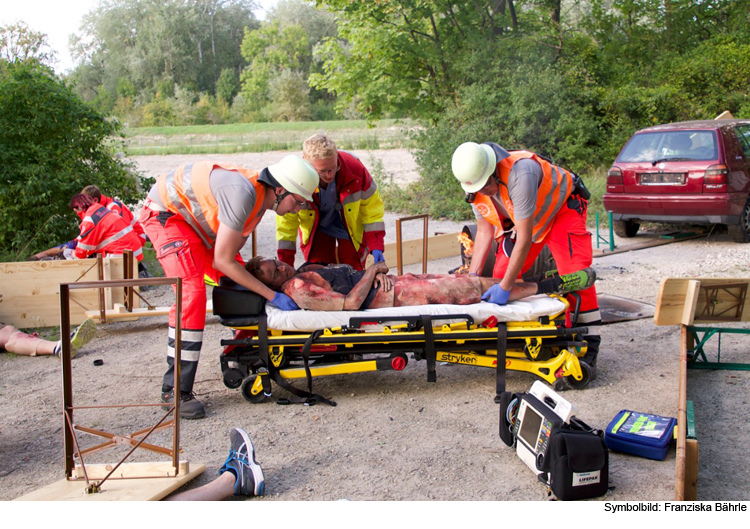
413	322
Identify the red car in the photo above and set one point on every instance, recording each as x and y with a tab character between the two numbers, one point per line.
693	172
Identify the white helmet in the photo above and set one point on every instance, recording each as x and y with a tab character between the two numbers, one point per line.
295	175
473	164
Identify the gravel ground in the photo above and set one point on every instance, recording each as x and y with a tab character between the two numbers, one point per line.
393	436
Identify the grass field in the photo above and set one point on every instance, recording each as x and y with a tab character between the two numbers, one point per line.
260	137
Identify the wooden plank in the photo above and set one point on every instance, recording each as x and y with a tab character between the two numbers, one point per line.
673	295
143	489
691	300
119	313
644	244
691	470
438	247
131	470
31	291
680	464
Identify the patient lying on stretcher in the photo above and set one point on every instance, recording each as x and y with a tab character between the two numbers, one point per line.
340	287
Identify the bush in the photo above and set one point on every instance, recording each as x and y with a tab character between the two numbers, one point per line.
52	144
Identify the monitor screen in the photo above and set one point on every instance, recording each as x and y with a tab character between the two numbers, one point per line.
530	424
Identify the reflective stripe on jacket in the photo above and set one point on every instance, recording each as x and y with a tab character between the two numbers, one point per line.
186	192
103	231
362	208
556	187
121	209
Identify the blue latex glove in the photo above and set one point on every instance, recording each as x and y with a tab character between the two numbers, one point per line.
378	256
496	294
284	302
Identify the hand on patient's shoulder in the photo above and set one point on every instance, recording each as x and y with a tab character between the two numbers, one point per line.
284	302
496	294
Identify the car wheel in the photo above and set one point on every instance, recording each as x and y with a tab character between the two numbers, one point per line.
626	228
741	232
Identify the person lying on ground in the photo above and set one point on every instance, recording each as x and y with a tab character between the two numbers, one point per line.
20	343
240	475
340	287
61	252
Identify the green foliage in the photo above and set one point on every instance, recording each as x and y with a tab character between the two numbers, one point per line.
155	45
271	51
227	86
51	146
19	42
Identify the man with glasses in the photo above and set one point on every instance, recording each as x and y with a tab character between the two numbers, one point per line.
547	205
198	217
343	221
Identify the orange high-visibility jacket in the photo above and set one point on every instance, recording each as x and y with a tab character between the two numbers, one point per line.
186	192
556	187
105	232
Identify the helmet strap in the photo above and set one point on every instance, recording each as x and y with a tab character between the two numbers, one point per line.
279	198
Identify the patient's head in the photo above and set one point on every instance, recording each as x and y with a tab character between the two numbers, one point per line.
271	272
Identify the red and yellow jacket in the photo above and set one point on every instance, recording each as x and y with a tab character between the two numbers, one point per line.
186	192
105	232
361	205
556	187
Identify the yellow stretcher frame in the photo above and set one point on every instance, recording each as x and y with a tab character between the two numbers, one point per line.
527	350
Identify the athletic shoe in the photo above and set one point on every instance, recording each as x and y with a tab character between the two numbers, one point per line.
241	462
78	338
190	407
580	280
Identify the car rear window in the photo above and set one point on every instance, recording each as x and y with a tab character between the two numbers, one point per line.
684	145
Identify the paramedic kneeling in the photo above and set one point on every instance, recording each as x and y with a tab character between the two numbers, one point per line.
547	205
198	217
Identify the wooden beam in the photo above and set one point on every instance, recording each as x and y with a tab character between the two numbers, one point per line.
137	489
30	290
120	313
438	247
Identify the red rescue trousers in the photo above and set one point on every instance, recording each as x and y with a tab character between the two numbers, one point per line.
330	250
569	241
182	254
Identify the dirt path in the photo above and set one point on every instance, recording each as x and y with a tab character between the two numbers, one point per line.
393	436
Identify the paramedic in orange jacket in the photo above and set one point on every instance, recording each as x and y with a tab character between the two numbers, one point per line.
102	231
547	206
116	206
343	223
198	217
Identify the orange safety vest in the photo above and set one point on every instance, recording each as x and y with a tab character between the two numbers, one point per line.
487	208
186	192
556	187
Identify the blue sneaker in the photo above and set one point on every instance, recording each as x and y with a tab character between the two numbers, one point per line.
241	462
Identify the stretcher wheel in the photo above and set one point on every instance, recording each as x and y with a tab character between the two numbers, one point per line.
572	383
246	389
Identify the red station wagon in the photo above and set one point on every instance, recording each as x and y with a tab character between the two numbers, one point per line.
694	172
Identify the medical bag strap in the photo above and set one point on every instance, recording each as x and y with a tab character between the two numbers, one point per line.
502	344
431	353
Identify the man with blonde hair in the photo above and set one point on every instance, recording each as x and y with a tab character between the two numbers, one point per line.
343	222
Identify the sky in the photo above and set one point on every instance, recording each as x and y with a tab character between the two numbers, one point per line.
60	18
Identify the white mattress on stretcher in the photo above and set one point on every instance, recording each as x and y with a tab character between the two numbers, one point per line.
528	309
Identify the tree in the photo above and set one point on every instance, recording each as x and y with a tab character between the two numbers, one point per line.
270	50
19	42
52	144
184	42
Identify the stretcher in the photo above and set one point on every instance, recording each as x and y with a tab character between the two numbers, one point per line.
275	346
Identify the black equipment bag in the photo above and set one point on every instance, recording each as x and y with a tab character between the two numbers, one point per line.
578	464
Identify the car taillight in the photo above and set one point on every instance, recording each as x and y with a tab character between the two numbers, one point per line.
716	174
614	176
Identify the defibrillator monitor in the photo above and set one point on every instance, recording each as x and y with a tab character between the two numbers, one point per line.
539	412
